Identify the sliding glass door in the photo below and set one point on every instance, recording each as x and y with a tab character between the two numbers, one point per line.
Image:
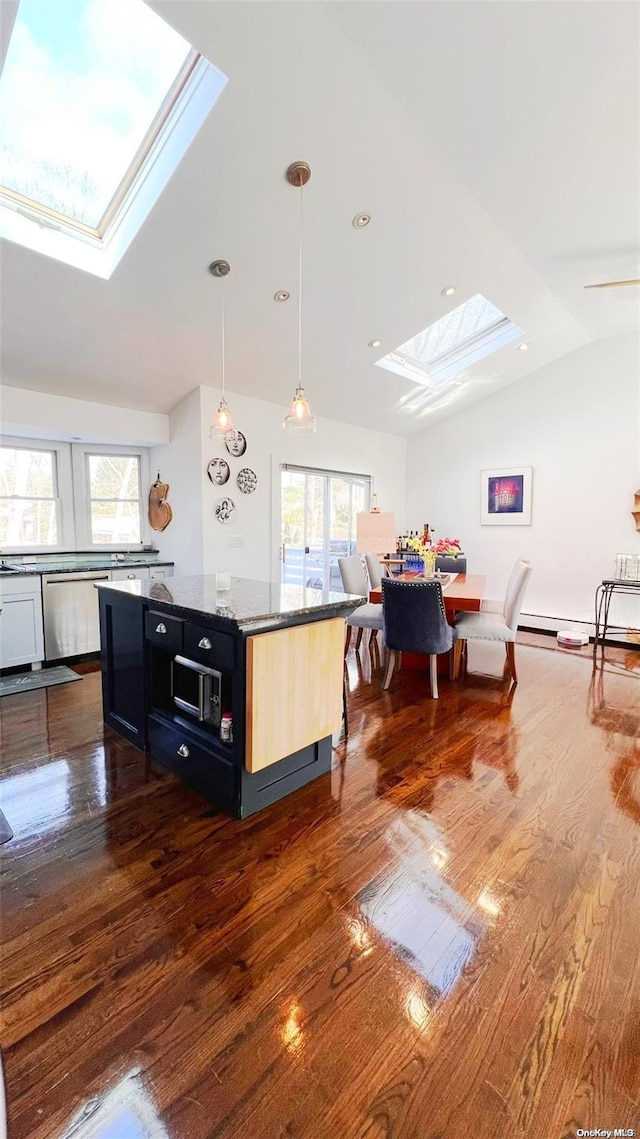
318	523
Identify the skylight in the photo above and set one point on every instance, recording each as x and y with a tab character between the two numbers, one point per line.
470	332
91	94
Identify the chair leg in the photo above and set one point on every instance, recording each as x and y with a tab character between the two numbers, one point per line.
359	637
433	671
455	659
347	638
391	662
511	657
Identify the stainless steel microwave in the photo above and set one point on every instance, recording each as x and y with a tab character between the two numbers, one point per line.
196	689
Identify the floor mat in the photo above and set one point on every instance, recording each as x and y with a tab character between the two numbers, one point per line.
42	678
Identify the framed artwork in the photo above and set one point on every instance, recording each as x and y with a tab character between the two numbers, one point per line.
506	496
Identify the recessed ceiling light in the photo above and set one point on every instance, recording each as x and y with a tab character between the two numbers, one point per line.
523	347
375	343
448	291
281	295
361	220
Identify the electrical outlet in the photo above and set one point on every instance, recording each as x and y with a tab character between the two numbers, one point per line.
236	540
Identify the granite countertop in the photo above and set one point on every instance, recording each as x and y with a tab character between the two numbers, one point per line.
251	603
15	568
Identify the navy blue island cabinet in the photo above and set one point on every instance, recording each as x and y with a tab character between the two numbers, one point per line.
237	691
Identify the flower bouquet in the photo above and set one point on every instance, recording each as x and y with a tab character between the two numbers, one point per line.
448	546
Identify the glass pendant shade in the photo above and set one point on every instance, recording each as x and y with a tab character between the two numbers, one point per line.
222	421
300	417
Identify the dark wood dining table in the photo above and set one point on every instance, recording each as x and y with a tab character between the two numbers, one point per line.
465	592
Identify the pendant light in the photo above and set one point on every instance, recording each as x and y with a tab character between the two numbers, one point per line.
222	421
299	417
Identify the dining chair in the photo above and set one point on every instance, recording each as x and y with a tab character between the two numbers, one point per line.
488	625
354	580
414	621
375	570
445	563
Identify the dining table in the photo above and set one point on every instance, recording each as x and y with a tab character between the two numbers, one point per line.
461	592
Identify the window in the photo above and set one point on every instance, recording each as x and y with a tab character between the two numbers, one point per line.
71	496
114	499
318	512
470	332
29	503
99	100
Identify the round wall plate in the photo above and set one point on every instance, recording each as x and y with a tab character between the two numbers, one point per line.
247	480
235	442
218	471
223	509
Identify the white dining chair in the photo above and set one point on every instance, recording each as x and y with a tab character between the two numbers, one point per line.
488	625
354	580
375	570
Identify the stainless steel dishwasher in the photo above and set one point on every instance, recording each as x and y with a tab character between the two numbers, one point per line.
71	615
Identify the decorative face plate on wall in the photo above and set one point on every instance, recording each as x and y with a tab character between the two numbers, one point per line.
247	480
223	509
218	471
235	442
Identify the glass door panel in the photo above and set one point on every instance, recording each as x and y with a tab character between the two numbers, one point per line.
318	525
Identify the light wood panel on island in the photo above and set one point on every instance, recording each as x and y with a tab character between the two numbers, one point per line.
306	662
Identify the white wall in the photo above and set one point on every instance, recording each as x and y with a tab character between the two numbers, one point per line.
576	422
179	464
38	415
202	546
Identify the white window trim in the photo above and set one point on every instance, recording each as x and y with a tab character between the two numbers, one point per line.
64	496
82	497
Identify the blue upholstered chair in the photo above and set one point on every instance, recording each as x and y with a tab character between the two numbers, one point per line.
492	625
447	564
354	580
414	621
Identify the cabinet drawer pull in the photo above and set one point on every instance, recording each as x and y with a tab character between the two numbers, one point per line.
205	643
131	575
161	628
183	750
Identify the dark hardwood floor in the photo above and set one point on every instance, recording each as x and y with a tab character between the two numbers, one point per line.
441	939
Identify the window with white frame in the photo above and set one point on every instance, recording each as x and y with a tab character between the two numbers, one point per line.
114	499
78	496
29	500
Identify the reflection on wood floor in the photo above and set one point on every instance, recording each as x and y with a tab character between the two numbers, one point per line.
440	939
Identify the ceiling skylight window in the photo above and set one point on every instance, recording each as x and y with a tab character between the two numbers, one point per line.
99	100
470	332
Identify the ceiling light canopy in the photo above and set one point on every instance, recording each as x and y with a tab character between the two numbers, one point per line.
299	417
222	420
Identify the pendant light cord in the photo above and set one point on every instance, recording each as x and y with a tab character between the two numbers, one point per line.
300	297
222	332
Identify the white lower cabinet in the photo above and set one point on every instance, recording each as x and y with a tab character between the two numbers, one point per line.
21	632
157	572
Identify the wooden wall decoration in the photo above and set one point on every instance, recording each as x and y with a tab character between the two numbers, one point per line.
160	513
636	509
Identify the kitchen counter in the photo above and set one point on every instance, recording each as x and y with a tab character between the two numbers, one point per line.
248	604
13	567
183	660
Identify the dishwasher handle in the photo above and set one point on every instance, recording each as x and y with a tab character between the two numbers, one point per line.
62	580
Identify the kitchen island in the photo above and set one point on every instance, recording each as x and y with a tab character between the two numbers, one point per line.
237	691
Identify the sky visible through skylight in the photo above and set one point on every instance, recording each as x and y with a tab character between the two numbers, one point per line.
83	81
452	331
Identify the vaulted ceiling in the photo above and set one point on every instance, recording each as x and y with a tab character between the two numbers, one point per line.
496	147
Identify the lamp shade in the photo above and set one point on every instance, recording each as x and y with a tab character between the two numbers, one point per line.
375	532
